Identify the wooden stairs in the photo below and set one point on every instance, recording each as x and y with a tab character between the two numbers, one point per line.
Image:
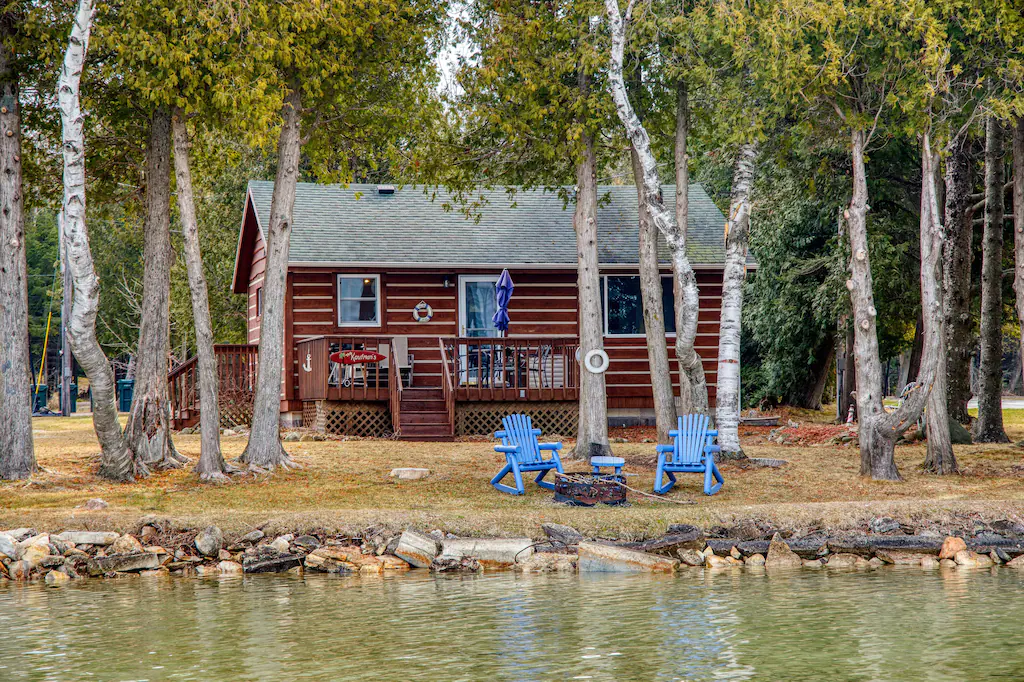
424	415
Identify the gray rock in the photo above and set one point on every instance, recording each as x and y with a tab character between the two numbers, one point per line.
958	435
611	559
744	532
409	473
417	548
95	504
883	525
266	559
1001	554
691	557
209	541
493	552
126	544
291	437
86	537
282	544
1007	527
306	542
668	545
123	563
253	537
566	535
448	564
547	562
19	534
8	547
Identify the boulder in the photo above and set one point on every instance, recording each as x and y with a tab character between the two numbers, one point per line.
1016	563
417	548
929	562
566	535
36	540
900	557
846	560
252	537
225	555
291	437
269	560
19	534
947	563
780	555
123	563
87	537
958	435
715	561
691	557
745	532
209	541
230	568
490	552
548	562
339	559
607	558
448	564
969	559
95	504
282	544
204	570
950	546
149	533
883	525
20	570
320	560
126	544
812	563
56	579
683	537
754	560
35	554
409	473
306	542
393	563
8	547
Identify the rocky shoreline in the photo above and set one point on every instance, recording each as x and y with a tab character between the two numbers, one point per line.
158	548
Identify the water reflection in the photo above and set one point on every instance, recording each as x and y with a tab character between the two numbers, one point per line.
901	624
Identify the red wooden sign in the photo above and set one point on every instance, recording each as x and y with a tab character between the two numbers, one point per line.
356	357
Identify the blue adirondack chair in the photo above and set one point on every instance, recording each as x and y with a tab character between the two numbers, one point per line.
692	451
523	453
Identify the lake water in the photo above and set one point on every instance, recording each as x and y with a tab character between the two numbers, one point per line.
889	624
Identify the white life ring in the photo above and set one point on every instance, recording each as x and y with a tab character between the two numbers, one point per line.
602	357
422	312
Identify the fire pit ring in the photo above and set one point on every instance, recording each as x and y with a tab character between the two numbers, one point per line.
584	489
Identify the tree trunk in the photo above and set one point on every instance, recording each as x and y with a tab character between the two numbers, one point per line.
149	424
693	387
116	461
592	433
654	314
17	458
939	457
737	234
1018	223
911	367
264	450
811	397
211	466
956	278
989	426
848	388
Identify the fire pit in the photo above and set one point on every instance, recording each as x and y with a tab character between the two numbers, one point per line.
586	489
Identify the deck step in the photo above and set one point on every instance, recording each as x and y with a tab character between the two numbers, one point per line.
422	394
424	417
411	406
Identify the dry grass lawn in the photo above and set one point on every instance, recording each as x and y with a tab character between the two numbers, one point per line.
344	486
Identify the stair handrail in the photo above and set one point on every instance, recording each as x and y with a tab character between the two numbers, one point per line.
447	386
395	391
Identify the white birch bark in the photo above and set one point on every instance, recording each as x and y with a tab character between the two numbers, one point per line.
654	316
116	461
17	457
675	236
737	232
264	450
592	431
211	466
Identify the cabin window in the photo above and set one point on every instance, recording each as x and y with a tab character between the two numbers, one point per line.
623	308
358	300
259	302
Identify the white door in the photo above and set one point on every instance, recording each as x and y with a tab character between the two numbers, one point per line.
477	305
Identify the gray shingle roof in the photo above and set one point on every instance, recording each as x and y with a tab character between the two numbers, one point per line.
332	225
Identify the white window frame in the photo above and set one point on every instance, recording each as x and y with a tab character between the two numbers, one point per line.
604	300
354	275
463	309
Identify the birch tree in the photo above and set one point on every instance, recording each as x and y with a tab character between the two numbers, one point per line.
116	460
17	457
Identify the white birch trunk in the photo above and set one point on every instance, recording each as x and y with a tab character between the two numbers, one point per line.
116	461
17	458
211	466
264	450
737	232
654	315
687	306
148	430
988	428
592	431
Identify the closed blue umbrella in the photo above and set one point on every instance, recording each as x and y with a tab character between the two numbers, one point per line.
503	291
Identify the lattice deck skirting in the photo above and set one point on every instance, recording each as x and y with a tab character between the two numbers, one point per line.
364	419
553	418
235	408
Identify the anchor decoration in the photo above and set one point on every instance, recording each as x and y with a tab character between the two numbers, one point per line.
308	365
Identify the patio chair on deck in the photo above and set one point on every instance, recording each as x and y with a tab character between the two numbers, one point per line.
692	451
523	453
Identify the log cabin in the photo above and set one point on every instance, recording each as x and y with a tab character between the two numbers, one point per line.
388	271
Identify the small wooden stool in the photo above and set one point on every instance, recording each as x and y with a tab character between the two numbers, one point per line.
615	462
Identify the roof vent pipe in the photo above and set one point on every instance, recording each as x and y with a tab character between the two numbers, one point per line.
385	189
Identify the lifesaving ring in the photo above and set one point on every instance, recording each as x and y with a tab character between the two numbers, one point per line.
422	312
602	359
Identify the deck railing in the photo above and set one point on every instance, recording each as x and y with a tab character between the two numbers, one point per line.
236	378
447	386
395	395
515	368
322	379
